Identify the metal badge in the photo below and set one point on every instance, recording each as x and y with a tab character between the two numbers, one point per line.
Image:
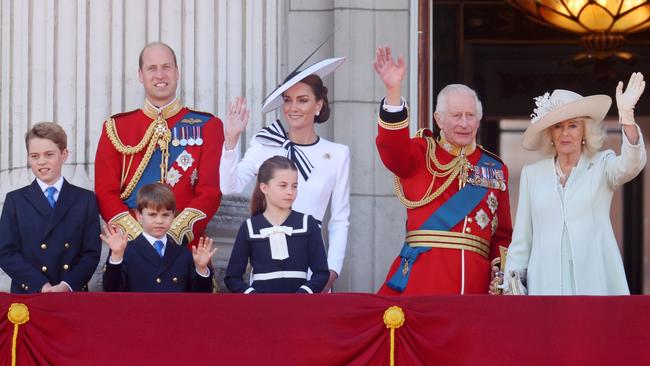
183	139
175	140
199	140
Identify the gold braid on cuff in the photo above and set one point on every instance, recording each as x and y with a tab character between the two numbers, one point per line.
393	126
183	223
128	224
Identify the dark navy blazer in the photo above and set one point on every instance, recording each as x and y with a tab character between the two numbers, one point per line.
40	244
143	270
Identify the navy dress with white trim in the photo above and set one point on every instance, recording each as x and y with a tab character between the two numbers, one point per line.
280	256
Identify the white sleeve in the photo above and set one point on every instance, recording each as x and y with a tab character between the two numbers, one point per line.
340	213
623	168
235	174
522	236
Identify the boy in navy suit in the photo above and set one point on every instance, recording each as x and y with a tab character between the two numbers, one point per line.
153	262
49	230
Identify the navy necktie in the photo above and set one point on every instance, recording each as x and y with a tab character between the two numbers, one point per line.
158	244
50	191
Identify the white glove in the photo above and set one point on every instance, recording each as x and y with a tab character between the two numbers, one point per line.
625	101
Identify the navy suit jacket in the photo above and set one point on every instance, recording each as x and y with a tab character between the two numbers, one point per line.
143	270
40	244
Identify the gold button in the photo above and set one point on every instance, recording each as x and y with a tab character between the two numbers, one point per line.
175	280
26	288
43	246
468	229
469	219
66	245
22	285
66	267
158	280
44	269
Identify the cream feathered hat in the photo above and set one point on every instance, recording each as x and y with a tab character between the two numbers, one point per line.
562	105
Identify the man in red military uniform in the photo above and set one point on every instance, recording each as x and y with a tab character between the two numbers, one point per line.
455	192
163	141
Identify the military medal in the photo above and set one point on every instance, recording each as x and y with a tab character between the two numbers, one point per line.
183	139
199	140
176	141
190	136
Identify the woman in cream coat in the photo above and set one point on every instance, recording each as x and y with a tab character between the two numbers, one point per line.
563	242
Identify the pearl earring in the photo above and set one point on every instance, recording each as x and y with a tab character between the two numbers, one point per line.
552	143
317	113
584	141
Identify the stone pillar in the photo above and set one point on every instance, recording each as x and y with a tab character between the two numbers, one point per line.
377	218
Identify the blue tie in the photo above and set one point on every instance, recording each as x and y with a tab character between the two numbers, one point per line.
158	244
50	191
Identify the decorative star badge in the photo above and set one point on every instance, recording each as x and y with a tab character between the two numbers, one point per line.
492	202
185	160
173	176
482	218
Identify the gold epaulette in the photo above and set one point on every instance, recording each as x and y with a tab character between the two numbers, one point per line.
183	223
128	224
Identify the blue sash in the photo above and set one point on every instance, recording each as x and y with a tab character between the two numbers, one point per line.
152	170
448	215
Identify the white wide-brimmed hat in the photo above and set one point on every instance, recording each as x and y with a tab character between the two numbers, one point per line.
322	69
562	105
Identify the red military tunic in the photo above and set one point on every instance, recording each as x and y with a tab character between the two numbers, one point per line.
193	175
456	266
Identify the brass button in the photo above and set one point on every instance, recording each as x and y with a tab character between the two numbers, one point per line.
22	285
468	229
43	246
66	245
158	280
175	280
66	267
469	219
44	269
26	288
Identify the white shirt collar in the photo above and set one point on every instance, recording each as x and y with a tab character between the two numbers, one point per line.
58	184
152	239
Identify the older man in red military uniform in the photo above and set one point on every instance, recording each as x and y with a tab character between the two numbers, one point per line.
162	141
455	192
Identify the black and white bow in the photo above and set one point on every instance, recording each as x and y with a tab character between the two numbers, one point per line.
275	135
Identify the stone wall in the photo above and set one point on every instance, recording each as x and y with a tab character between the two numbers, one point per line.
75	62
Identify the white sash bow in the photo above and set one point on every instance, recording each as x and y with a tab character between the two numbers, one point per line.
278	239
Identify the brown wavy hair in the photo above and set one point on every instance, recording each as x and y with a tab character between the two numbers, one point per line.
264	175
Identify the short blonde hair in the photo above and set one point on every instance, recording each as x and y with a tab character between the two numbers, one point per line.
594	138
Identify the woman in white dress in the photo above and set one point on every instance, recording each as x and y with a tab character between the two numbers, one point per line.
323	166
563	242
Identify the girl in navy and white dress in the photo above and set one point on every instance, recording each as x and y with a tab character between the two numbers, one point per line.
281	244
323	166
